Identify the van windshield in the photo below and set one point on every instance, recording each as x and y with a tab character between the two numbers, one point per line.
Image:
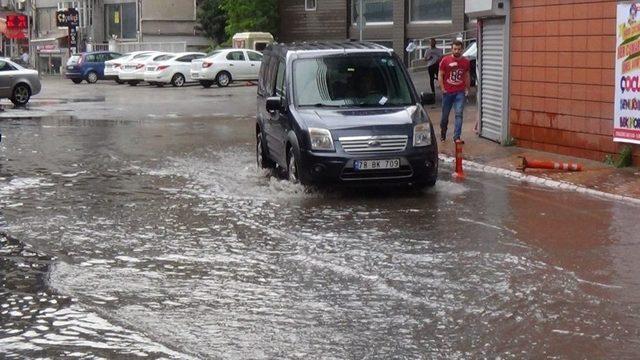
358	81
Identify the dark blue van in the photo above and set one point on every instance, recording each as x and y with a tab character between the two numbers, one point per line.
343	113
88	66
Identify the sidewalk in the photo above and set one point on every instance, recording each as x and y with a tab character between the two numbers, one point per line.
595	176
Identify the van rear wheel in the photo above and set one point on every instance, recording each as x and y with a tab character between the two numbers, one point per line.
262	159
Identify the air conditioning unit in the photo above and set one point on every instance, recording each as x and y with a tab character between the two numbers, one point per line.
485	8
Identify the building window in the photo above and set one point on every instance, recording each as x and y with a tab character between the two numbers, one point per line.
430	10
375	11
122	20
309	5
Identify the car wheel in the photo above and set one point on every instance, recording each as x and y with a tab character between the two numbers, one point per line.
92	77
21	95
262	159
133	83
206	83
293	174
119	81
76	81
178	80
223	79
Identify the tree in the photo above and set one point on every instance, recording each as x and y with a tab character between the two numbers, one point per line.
213	19
251	15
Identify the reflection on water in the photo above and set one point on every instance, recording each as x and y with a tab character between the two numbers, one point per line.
167	232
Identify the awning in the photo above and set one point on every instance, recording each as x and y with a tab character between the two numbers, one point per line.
50	38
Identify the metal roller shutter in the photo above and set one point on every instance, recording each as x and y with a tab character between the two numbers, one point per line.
492	79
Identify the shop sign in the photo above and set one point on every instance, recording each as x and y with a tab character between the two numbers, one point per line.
626	122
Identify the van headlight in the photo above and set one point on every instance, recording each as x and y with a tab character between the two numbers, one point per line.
321	139
422	135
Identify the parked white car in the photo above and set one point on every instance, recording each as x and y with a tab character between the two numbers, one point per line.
132	72
174	71
112	67
222	67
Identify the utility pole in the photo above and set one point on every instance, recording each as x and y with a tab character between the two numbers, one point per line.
361	17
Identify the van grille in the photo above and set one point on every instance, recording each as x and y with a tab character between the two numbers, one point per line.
373	144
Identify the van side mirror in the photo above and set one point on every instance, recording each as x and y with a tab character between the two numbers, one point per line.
427	98
275	103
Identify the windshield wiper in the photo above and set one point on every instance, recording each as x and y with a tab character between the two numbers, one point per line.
318	105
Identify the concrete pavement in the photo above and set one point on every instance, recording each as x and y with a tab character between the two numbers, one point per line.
597	177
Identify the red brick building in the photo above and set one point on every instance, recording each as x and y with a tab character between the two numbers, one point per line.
561	75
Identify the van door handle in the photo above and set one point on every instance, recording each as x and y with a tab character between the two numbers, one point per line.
230	64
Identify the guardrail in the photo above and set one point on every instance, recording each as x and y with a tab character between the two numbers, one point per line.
443	41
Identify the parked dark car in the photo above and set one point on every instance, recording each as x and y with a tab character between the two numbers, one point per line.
342	113
88	66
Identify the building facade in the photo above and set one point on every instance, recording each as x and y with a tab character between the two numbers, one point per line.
392	23
559	77
149	21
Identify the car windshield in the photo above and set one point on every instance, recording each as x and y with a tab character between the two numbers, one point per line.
345	81
17	66
142	56
163	57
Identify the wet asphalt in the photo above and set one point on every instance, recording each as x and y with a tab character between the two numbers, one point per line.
146	231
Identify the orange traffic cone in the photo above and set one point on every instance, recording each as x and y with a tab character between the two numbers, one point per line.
459	171
551	165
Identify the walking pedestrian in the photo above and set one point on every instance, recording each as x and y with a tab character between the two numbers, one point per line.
432	57
25	57
454	81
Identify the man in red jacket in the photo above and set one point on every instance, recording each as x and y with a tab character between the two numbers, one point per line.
454	80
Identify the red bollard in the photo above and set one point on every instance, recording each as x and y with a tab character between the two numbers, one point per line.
551	165
459	172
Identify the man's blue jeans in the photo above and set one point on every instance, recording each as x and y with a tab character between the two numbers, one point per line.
450	100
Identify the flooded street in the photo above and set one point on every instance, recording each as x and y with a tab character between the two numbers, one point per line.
159	239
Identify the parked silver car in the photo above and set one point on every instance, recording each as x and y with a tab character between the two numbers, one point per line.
17	83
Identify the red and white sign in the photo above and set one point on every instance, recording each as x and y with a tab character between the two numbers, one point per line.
626	122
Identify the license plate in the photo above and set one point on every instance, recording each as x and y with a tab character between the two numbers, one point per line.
376	164
70	67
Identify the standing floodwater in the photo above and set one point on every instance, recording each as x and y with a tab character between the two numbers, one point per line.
161	240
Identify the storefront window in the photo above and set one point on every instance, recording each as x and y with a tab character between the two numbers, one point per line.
430	10
122	20
375	11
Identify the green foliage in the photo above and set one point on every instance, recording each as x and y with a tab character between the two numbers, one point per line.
511	141
608	160
213	19
251	15
625	158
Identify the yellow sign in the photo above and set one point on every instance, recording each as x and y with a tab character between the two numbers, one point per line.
116	17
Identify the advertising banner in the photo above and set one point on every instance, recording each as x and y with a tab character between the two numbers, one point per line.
626	123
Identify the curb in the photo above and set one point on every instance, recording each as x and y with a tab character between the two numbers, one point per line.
554	184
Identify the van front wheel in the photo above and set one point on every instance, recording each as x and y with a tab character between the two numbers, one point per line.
295	172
